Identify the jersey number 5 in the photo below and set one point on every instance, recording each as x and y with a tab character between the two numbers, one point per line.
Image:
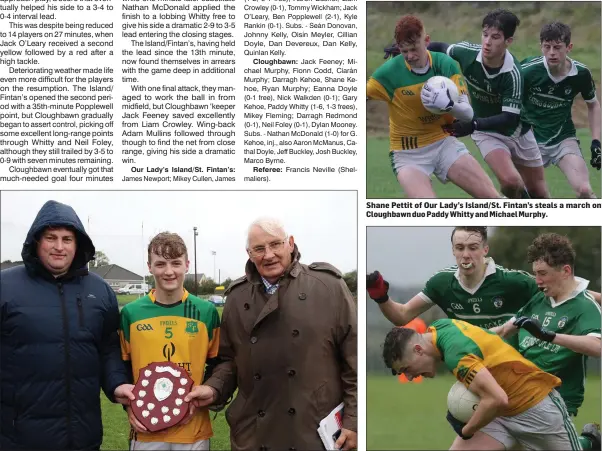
168	332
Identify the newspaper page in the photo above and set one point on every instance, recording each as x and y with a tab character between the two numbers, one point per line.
448	150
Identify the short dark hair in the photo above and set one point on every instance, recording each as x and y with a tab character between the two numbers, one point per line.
555	32
480	230
408	30
395	344
556	250
503	20
167	245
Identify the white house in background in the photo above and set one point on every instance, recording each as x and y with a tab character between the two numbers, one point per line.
116	276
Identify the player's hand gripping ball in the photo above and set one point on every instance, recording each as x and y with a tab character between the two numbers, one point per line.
439	94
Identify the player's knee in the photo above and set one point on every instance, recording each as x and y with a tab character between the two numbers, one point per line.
511	184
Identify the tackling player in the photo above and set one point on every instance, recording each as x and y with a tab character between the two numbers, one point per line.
495	84
418	145
552	82
560	327
518	402
169	324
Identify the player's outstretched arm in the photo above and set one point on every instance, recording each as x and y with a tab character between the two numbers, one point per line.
497	122
506	330
398	314
582	344
589	345
493	400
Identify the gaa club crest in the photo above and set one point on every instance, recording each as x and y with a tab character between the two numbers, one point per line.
567	90
498	301
562	322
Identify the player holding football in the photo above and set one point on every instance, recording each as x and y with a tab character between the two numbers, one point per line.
418	145
495	84
476	290
560	327
169	324
516	396
552	82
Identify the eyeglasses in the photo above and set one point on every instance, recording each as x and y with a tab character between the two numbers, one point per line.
274	246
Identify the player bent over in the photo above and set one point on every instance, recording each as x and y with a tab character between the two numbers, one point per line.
552	82
171	324
495	84
560	327
418	145
518	405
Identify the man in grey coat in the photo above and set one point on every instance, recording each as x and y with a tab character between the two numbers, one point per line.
289	343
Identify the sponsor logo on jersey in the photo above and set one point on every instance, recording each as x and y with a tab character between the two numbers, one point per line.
192	327
143	327
475	300
169	323
562	322
550	313
407	92
498	301
169	350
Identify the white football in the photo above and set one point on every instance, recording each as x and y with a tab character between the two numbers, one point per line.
440	83
461	402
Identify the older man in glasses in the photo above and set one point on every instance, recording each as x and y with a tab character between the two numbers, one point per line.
289	343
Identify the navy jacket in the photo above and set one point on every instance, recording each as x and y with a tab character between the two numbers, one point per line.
59	346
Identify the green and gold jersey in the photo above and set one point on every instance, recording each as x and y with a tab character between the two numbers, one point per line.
410	124
548	100
186	333
467	349
578	315
491	303
493	91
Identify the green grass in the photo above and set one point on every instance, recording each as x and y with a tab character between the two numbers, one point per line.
383	184
117	428
123	299
412	416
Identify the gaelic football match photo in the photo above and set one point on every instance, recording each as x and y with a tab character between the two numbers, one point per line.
483	338
483	100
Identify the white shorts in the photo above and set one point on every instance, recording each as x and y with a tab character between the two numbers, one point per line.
435	158
553	154
546	425
201	445
523	150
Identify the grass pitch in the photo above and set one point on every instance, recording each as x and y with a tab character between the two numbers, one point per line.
412	416
382	184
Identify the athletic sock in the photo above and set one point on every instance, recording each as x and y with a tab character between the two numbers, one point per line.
585	442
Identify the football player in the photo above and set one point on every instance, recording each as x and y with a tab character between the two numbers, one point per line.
552	82
518	403
418	145
495	84
560	326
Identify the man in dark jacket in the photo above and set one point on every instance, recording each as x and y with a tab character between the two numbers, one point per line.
58	340
288	340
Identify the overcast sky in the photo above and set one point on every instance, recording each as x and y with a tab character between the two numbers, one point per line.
408	256
121	224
